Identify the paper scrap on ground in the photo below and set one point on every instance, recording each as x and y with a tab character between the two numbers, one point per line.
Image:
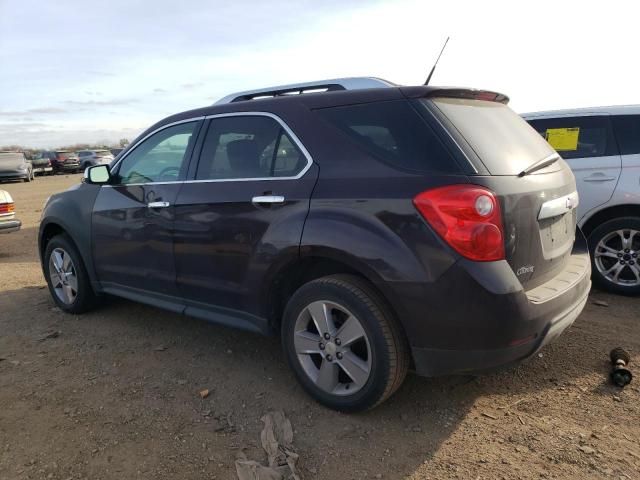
277	441
563	139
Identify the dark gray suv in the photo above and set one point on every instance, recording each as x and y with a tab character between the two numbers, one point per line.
376	230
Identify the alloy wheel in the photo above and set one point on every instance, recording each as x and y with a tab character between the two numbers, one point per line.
616	257
62	273
332	348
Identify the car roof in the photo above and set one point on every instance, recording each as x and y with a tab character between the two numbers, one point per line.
324	100
607	110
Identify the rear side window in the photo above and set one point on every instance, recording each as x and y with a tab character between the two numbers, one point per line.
578	137
248	147
627	129
394	133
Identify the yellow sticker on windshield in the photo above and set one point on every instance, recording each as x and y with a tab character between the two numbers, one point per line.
563	139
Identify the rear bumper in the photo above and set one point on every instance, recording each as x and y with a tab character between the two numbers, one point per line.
9	226
434	362
65	167
490	321
42	169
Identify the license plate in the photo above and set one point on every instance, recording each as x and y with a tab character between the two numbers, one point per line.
557	234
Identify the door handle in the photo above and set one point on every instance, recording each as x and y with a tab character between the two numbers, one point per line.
158	204
598	178
267	199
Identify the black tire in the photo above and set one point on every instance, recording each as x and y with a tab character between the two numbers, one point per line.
85	298
598	263
388	346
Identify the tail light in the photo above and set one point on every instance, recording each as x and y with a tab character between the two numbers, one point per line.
7	208
467	217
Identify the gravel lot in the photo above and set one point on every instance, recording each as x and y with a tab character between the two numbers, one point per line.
115	395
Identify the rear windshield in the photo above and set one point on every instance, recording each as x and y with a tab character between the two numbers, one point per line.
64	155
503	141
393	132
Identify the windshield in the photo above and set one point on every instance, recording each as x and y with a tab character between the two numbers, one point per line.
11	157
505	143
103	153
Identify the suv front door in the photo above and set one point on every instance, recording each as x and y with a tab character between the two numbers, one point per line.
242	216
133	216
589	147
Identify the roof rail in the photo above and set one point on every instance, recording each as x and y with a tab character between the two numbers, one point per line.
353	83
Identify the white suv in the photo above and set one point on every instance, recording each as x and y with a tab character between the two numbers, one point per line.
602	146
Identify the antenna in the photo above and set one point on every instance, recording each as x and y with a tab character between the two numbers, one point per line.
434	65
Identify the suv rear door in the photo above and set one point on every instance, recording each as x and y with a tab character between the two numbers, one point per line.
241	215
587	144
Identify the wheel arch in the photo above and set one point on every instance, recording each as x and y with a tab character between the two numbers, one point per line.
319	263
53	227
609	213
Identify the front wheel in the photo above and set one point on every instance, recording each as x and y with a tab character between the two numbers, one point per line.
614	248
344	344
67	276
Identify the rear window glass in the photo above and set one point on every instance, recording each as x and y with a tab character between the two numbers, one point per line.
393	132
503	141
577	137
627	128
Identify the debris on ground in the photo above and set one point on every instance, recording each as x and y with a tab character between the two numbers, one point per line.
620	374
204	393
160	348
277	441
52	334
601	303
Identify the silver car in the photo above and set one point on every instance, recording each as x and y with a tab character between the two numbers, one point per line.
15	166
89	158
602	146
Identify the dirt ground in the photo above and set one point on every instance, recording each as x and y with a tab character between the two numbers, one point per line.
115	395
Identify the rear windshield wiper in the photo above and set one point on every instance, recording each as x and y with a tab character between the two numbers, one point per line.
540	164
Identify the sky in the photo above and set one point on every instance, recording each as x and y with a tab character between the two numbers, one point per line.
76	71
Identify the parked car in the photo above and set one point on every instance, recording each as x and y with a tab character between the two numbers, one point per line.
116	151
602	147
89	158
374	227
42	165
8	221
63	161
15	166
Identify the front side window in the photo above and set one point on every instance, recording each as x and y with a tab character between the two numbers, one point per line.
159	158
577	137
243	147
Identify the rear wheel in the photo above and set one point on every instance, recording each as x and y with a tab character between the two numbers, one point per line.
615	248
67	276
343	343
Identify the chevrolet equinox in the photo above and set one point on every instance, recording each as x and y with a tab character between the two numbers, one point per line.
376	228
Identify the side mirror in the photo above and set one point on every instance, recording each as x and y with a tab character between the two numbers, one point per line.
97	175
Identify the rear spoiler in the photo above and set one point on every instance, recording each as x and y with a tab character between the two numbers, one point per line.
454	92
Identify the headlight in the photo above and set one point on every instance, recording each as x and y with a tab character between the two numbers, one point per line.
23	167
